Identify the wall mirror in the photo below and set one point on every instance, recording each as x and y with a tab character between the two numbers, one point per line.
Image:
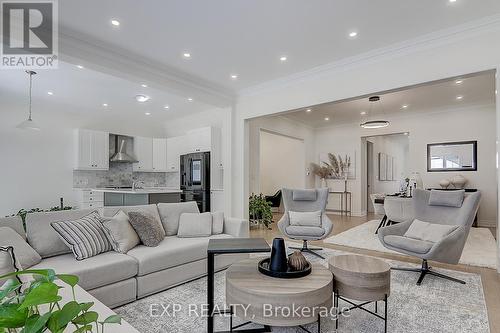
452	156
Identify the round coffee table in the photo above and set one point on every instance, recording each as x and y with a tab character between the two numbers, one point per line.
363	279
270	301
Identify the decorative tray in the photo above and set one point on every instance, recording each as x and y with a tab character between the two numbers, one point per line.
264	269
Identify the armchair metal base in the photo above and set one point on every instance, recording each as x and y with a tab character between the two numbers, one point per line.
424	270
307	249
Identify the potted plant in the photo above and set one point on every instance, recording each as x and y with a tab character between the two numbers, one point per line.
260	210
36	306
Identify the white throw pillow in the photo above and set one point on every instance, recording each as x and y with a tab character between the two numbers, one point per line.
217	223
305	219
195	225
430	232
120	233
25	255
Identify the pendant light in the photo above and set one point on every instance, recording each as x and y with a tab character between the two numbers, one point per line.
373	124
29	124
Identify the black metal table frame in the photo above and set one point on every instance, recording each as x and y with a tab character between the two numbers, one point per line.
361	307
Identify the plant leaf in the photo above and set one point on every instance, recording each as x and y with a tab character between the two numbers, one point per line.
68	312
113	319
85	328
86	318
11	316
8	287
86	306
45	272
71	280
43	294
35	323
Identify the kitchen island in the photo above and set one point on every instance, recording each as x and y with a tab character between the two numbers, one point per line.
138	196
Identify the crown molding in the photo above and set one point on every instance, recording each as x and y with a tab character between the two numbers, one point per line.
427	41
78	48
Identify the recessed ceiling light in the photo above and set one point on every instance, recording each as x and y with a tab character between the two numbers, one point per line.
190	99
186	55
459	81
79	66
460	97
50	93
144	85
406	133
105	105
308	110
234	76
142	98
166	107
147	113
283	58
363	113
404	106
115	23
353	34
452	1
326	118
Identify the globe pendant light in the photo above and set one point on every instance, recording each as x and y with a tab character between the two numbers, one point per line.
373	124
29	124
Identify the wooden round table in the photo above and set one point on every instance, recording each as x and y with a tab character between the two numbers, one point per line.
361	278
269	299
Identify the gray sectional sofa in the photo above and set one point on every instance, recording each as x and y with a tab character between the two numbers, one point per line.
116	279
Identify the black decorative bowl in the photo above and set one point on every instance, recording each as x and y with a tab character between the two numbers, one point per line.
289	274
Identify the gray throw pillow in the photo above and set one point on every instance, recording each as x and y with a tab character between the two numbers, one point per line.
8	263
149	230
120	233
429	232
195	225
305	219
26	256
446	198
85	237
217	223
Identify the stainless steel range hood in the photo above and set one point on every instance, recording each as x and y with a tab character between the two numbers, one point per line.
121	155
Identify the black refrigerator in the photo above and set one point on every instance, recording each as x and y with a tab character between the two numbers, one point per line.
195	179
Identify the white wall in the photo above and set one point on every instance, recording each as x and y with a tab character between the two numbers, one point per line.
284	127
282	161
419	61
37	167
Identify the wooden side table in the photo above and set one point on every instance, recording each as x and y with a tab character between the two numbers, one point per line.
363	279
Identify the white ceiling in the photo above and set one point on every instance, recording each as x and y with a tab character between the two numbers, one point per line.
248	37
478	89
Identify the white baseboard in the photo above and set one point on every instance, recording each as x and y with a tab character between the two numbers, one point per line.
487	223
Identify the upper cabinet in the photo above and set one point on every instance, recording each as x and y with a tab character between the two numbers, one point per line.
174	150
199	140
151	154
91	150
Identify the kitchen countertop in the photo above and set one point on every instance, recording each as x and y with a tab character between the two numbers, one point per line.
146	190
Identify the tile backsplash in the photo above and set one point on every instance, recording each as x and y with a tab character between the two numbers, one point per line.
120	174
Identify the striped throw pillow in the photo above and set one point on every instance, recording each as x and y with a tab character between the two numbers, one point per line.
85	236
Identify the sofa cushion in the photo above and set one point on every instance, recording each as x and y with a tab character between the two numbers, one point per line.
147	227
24	254
408	244
85	237
94	272
195	225
43	238
7	263
147	209
305	231
120	233
171	252
305	219
217	223
171	212
15	223
430	232
447	198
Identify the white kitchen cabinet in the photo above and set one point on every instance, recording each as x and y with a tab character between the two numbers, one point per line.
159	155
91	150
89	199
143	149
175	148
199	140
217	201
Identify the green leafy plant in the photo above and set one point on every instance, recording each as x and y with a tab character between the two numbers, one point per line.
36	307
23	212
260	210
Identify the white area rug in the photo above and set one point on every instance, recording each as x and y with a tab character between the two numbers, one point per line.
480	248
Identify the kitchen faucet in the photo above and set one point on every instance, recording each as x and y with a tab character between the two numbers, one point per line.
136	185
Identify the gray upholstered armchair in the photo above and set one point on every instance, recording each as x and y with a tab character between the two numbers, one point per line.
446	209
311	200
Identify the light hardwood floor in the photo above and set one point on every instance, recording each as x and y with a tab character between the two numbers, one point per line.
489	277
